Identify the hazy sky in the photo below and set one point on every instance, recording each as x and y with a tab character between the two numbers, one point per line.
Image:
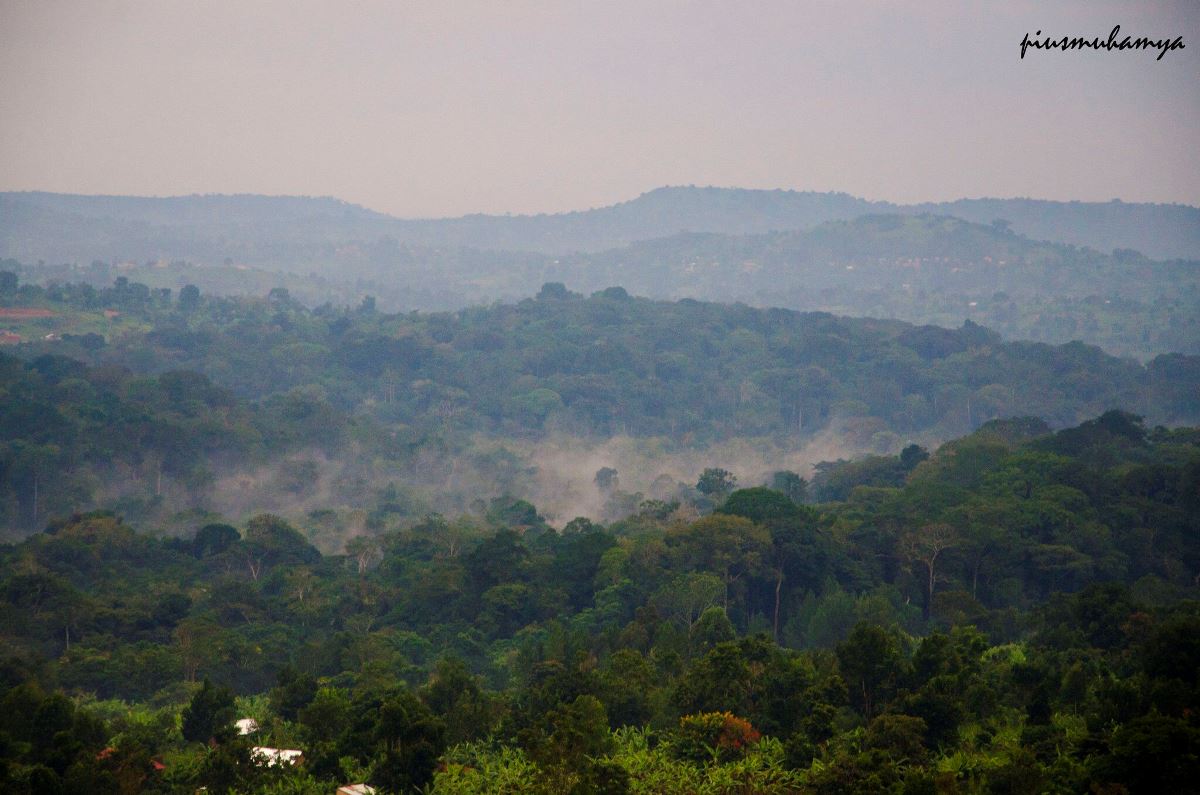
442	107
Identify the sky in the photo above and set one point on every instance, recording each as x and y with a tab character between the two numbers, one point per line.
451	107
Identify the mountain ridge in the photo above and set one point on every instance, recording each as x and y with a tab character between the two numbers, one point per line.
74	227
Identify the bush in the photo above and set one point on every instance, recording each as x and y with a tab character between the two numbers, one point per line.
714	736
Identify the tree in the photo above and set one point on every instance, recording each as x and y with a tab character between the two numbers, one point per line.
213	539
34	464
580	730
200	645
729	546
687	596
912	455
763	506
576	560
1173	651
870	663
790	527
712	628
627	683
411	739
716	482
714	737
606	479
791	484
364	551
922	548
69	606
984	540
271	541
900	736
327	715
189	298
293	692
498	559
456	698
512	512
210	714
720	681
1152	753
553	291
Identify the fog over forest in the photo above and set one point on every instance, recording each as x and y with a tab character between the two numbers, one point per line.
609	399
762	436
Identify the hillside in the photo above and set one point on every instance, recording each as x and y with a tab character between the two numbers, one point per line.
924	269
194	402
293	231
612	362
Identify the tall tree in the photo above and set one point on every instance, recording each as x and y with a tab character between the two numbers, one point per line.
922	549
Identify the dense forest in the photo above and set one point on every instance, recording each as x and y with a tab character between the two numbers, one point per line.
925	269
161	404
586	544
702	491
1014	613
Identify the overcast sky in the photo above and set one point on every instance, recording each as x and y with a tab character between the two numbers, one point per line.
444	108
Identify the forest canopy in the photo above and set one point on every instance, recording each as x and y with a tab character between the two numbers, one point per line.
590	544
1014	613
160	403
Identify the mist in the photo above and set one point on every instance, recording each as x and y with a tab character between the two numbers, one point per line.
335	498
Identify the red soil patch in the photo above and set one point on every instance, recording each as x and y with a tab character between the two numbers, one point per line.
25	312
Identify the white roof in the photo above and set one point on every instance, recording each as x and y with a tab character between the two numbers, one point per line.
246	725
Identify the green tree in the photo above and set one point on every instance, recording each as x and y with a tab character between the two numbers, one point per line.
870	663
713	627
270	541
293	692
213	539
720	681
924	549
687	596
456	698
731	547
210	714
1152	753
627	682
790	484
411	739
900	736
716	482
189	298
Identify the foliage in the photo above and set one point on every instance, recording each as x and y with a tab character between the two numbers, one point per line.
714	736
1056	649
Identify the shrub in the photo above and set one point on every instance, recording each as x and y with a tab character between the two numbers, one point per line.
714	736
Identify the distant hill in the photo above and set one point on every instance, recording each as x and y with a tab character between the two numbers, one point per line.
918	268
612	363
296	232
1160	231
269	231
922	269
